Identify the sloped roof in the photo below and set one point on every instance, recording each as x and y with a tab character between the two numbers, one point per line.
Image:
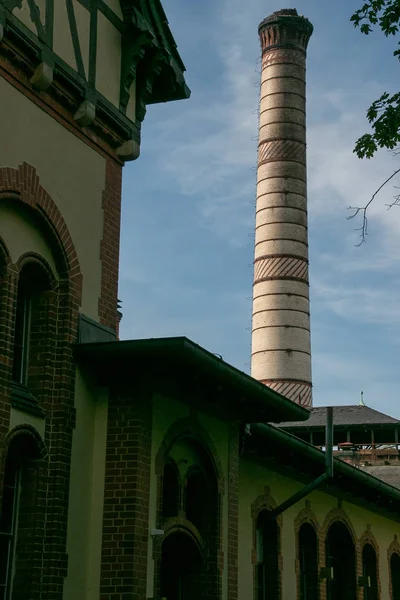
388	473
344	416
181	358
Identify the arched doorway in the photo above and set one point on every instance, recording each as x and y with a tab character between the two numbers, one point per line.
395	576
181	568
308	561
341	558
370	572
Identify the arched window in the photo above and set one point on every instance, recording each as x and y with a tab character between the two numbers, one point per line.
308	561
267	540
197	500
19	516
370	572
395	576
30	321
171	492
341	562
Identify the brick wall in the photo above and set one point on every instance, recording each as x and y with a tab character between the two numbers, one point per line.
233	511
110	243
52	375
126	497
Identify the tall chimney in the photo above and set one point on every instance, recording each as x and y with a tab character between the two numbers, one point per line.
281	346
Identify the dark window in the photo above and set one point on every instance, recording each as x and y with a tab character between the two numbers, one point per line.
308	558
198	500
32	284
341	559
395	576
370	575
8	526
171	492
22	336
268	580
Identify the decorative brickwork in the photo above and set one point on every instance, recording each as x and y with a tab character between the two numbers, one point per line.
126	497
52	372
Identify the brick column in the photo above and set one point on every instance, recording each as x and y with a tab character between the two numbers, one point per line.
126	497
233	511
281	348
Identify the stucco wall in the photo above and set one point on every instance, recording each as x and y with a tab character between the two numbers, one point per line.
253	479
71	172
165	413
85	517
22	236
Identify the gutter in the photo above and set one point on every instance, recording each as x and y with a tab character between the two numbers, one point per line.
391	493
244	380
305	491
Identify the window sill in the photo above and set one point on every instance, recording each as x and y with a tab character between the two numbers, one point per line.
23	400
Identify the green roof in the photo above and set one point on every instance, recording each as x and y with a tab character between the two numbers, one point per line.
181	360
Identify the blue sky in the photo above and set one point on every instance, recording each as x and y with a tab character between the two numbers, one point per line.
188	201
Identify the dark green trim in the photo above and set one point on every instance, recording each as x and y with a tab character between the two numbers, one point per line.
49	22
75	37
92	43
106	11
185	355
23	400
111	16
35	16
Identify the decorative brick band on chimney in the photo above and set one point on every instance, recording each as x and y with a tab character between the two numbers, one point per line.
281	346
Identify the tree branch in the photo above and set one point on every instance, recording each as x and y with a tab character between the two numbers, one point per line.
363	209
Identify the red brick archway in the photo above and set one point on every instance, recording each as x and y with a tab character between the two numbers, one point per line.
23	184
55	395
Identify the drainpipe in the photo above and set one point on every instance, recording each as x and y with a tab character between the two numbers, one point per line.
305	491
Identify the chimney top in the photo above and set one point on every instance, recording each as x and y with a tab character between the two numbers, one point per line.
285	28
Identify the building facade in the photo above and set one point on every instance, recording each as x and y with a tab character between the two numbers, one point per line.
138	469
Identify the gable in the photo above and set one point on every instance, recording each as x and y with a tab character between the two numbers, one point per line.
120	54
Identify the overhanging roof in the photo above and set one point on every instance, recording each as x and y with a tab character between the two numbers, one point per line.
273	446
182	360
343	416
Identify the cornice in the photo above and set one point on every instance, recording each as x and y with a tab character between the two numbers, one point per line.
285	29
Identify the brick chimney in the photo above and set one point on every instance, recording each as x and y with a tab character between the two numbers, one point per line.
281	347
